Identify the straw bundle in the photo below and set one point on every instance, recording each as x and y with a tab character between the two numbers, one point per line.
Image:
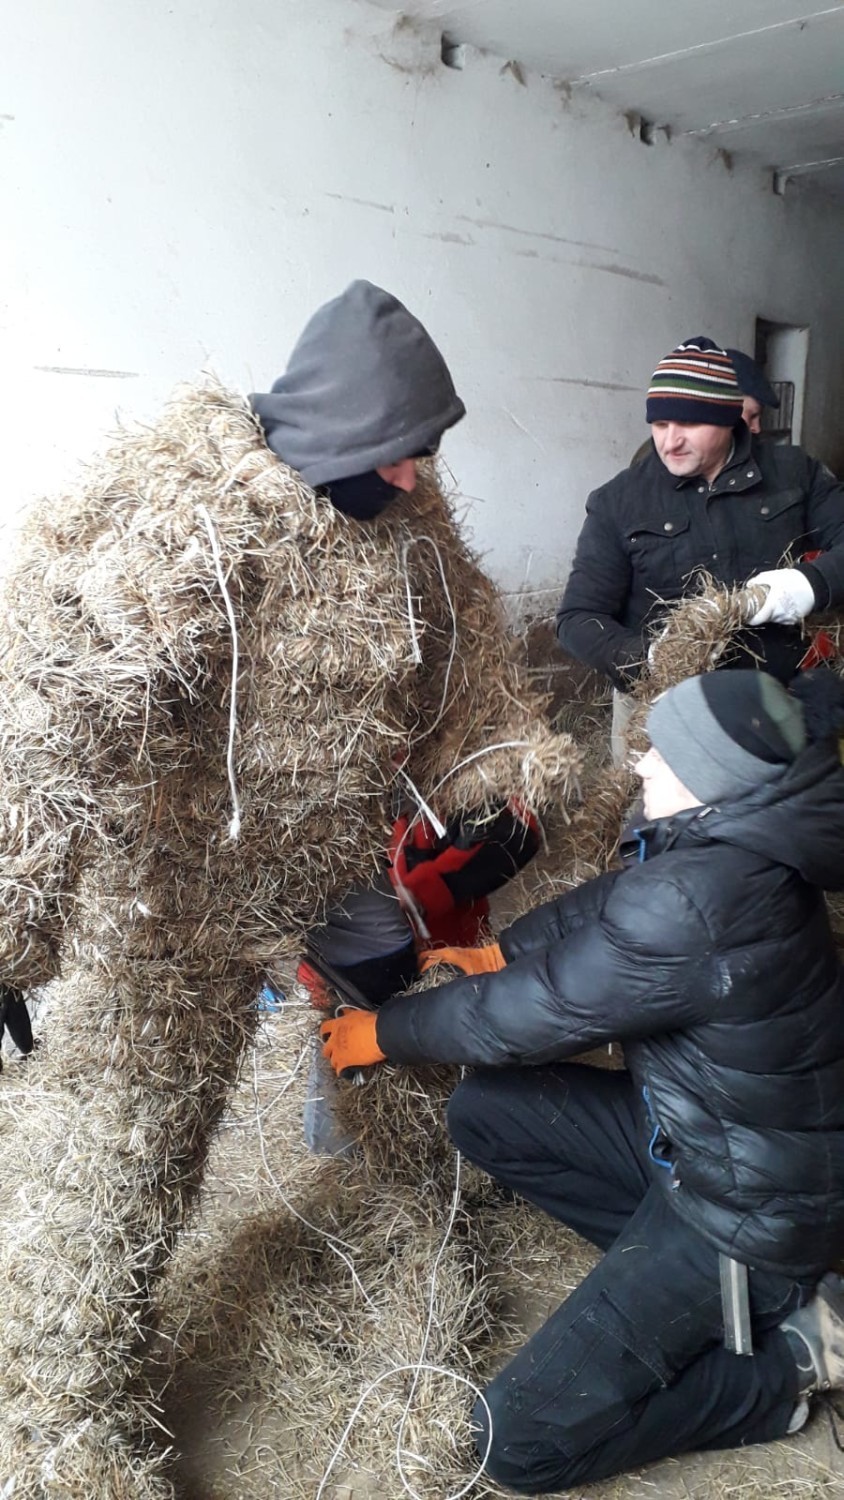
695	637
170	823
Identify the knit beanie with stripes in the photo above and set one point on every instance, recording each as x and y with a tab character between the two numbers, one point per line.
695	383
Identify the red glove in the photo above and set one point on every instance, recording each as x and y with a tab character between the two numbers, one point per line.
417	867
319	994
349	1040
487	960
475	858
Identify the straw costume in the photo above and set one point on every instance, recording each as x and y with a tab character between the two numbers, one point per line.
209	675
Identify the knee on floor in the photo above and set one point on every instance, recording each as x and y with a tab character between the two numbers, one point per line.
508	1461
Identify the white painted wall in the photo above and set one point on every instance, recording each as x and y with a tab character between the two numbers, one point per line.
186	180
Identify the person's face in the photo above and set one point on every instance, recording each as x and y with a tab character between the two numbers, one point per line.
402	475
688	448
751	411
663	793
365	496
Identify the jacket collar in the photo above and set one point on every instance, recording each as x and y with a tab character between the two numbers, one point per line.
645	840
740	473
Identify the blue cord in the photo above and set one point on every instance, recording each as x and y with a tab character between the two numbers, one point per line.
658	1161
270	1000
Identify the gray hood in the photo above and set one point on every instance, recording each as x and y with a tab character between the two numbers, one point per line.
365	386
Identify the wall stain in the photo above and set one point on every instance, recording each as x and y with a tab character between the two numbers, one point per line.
522	428
594	385
591	265
411	70
450	239
385	208
536	234
621	271
81	370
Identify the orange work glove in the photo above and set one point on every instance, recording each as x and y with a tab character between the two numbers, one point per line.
486	960
349	1040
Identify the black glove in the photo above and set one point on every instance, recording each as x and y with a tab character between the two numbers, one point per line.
14	1017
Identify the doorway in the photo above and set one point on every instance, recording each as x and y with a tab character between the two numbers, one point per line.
782	350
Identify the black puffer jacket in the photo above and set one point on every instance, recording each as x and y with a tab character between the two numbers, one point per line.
713	962
647	532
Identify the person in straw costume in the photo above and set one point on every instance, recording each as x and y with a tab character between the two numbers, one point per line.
435	880
210	658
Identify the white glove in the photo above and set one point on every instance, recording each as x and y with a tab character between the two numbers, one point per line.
790	597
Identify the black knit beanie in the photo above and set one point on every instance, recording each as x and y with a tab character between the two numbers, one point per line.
725	733
752	379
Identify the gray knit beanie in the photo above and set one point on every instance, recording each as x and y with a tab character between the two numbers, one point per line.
725	733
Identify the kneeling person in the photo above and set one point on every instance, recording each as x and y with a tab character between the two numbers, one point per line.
712	959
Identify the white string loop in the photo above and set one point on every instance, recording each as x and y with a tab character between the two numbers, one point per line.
414	541
234	825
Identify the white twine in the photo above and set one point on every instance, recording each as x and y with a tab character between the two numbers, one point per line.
476	755
332	1240
406	897
422	1364
424	808
417	653
438	827
418	1366
234	825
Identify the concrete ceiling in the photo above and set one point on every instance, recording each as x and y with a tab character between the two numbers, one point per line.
764	78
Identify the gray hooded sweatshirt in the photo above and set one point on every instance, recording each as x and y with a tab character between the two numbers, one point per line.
365	386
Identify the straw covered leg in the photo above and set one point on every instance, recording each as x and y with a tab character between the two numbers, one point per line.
109	1142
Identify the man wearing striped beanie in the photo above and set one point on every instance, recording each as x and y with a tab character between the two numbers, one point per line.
709	496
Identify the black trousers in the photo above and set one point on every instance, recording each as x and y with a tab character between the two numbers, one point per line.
631	1367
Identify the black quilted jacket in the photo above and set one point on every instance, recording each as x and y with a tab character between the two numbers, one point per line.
646	533
714	963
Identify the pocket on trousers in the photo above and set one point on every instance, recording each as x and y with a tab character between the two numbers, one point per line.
633	1338
592	1376
546	1374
